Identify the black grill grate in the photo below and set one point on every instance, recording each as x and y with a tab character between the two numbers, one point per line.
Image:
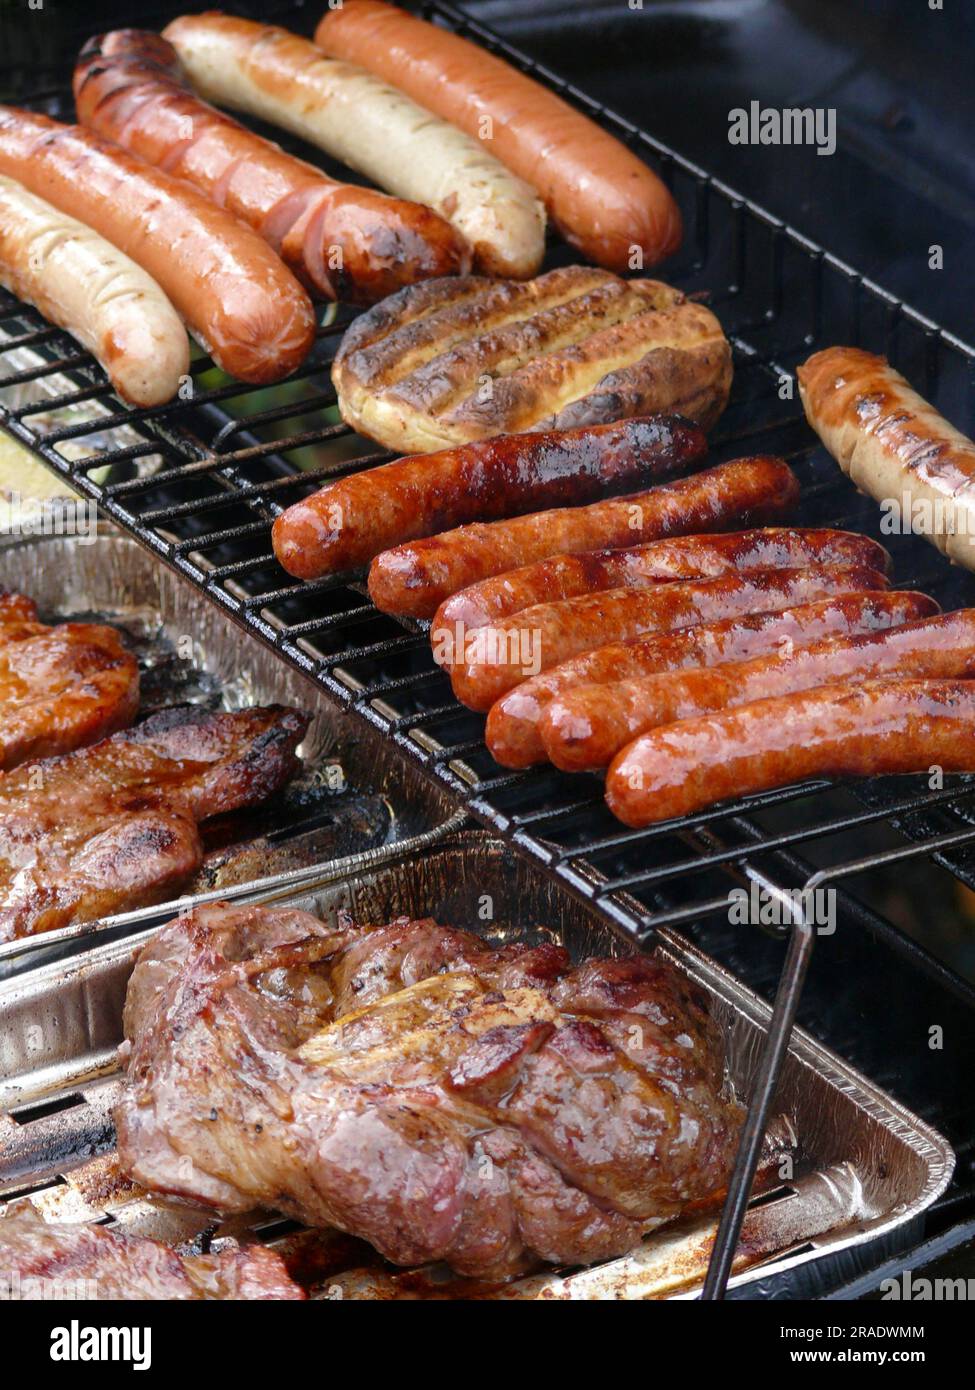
200	480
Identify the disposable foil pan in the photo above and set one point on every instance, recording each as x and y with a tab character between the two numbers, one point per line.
356	791
863	1167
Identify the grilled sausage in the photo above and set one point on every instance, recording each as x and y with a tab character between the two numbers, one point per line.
416	578
373	128
80	282
602	198
894	446
342	241
878	728
244	306
351	521
512	731
501	655
586	727
686	557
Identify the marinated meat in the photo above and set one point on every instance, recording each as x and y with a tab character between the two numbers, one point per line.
61	688
114	826
39	1260
407	1084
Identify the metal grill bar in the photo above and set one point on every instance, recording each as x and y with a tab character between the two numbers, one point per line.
200	480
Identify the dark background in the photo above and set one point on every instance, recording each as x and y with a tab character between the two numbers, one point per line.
899	74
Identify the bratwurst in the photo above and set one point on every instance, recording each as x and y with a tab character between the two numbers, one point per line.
342	241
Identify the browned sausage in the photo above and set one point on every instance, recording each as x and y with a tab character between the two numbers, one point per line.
586	727
685	557
234	293
512	731
878	728
351	521
600	195
343	241
501	655
416	578
894	445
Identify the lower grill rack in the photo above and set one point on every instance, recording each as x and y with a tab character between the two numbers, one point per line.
846	1172
199	481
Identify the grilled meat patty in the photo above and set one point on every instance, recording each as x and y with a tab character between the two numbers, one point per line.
407	1084
454	360
61	688
114	826
39	1260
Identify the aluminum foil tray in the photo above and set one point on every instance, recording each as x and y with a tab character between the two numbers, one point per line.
863	1168
356	794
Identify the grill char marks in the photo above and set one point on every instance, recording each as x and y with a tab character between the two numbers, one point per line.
408	1084
114	826
454	361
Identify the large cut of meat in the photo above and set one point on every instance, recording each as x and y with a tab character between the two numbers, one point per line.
46	1261
61	688
114	826
445	1101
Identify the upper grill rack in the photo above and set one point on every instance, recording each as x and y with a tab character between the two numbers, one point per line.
199	481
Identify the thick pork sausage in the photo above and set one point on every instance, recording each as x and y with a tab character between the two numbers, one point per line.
875	729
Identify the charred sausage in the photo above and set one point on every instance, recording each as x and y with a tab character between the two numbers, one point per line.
236	296
342	241
501	655
351	521
344	110
602	198
584	728
686	557
875	729
894	446
416	578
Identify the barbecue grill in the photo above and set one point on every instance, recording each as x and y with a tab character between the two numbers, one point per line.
199	482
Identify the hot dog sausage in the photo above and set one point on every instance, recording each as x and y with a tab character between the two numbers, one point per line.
584	728
686	557
416	578
352	520
601	197
501	655
894	446
82	283
237	297
342	241
369	126
878	728
512	731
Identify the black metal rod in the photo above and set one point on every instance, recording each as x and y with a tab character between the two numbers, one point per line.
798	955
